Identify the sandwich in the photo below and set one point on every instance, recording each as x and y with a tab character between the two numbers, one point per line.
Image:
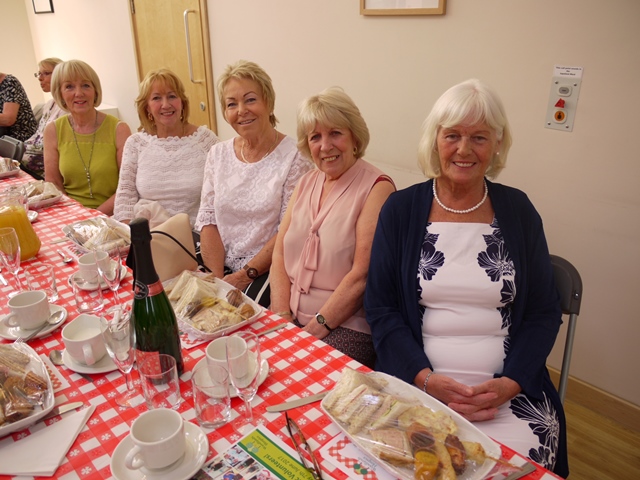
391	445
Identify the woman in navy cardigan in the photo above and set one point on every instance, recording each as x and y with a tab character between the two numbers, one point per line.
460	294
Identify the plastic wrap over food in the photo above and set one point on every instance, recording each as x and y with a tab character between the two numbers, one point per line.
208	307
40	193
25	388
412	435
103	231
8	165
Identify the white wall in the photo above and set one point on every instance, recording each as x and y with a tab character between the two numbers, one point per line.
583	183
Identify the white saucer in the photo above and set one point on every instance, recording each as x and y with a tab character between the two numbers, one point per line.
13	333
264	373
105	365
32	215
103	284
193	459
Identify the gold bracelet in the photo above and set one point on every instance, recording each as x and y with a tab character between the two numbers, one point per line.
286	312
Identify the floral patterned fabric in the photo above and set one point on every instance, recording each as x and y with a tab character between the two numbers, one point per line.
11	91
33	158
466	286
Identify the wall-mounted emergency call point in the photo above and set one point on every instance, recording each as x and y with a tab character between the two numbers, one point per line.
563	98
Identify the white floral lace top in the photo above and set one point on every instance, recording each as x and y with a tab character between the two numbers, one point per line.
247	200
166	170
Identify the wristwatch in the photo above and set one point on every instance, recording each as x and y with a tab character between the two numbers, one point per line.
320	319
252	273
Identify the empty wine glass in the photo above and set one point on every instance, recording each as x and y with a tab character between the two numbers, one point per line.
109	263
243	360
118	332
10	255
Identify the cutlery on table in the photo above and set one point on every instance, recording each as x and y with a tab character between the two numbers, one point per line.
65	258
296	403
55	318
64	408
56	358
526	470
272	329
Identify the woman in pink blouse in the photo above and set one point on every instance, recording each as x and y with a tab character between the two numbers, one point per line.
321	256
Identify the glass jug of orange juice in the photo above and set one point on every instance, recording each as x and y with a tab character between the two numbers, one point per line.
13	214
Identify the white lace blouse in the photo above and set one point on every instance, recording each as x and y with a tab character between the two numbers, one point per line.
166	170
247	200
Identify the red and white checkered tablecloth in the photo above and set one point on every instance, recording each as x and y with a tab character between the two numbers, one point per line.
299	365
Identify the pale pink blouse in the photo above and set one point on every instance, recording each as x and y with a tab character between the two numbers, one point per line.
319	245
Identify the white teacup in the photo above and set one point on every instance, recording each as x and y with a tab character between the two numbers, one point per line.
87	262
159	439
217	352
29	310
83	340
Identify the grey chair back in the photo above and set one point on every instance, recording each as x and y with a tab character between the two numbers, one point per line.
9	148
569	285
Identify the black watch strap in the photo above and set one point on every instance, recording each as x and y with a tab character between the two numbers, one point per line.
322	321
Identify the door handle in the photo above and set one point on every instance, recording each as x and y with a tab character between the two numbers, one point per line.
186	34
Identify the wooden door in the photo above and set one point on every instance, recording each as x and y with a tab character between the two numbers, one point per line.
174	34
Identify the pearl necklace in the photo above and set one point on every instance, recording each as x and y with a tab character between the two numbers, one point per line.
87	168
265	155
468	210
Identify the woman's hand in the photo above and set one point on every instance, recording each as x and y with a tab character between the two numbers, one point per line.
476	403
238	279
315	329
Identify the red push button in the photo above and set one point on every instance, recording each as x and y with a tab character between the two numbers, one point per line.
560	103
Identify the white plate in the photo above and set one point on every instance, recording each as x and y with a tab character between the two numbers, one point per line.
466	430
103	284
194	457
264	373
32	215
46	202
13	333
223	289
9	173
105	365
37	366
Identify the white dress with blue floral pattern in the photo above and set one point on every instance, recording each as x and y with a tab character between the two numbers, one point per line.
466	288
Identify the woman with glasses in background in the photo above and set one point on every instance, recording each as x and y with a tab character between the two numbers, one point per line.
33	159
16	116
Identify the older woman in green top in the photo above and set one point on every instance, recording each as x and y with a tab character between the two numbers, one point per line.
83	150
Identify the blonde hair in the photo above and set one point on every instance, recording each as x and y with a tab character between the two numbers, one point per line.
72	70
51	61
470	102
332	108
244	69
168	79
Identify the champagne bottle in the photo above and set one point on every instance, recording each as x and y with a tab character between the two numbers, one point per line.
154	319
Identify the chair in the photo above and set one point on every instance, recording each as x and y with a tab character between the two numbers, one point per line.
14	148
569	286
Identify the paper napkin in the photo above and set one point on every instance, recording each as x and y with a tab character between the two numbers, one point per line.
50	443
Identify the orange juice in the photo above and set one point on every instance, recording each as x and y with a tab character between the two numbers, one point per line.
15	216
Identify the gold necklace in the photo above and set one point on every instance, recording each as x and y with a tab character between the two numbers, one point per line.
265	155
87	169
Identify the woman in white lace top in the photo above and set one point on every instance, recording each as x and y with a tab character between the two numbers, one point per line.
164	162
247	182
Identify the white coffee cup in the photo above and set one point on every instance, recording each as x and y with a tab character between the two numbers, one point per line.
83	340
159	439
29	310
217	352
87	262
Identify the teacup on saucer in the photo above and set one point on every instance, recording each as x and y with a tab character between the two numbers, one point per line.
9	332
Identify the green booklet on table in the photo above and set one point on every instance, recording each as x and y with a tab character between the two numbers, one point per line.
260	455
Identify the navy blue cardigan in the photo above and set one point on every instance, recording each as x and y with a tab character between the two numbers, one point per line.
391	297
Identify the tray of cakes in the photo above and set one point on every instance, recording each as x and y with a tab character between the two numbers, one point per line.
26	392
207	307
409	433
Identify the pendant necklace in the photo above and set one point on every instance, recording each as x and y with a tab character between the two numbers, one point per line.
468	210
87	168
265	155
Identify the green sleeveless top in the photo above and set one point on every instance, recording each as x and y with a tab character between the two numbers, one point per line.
103	167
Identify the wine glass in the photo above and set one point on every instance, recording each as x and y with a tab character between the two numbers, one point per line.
10	255
109	264
118	332
243	360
